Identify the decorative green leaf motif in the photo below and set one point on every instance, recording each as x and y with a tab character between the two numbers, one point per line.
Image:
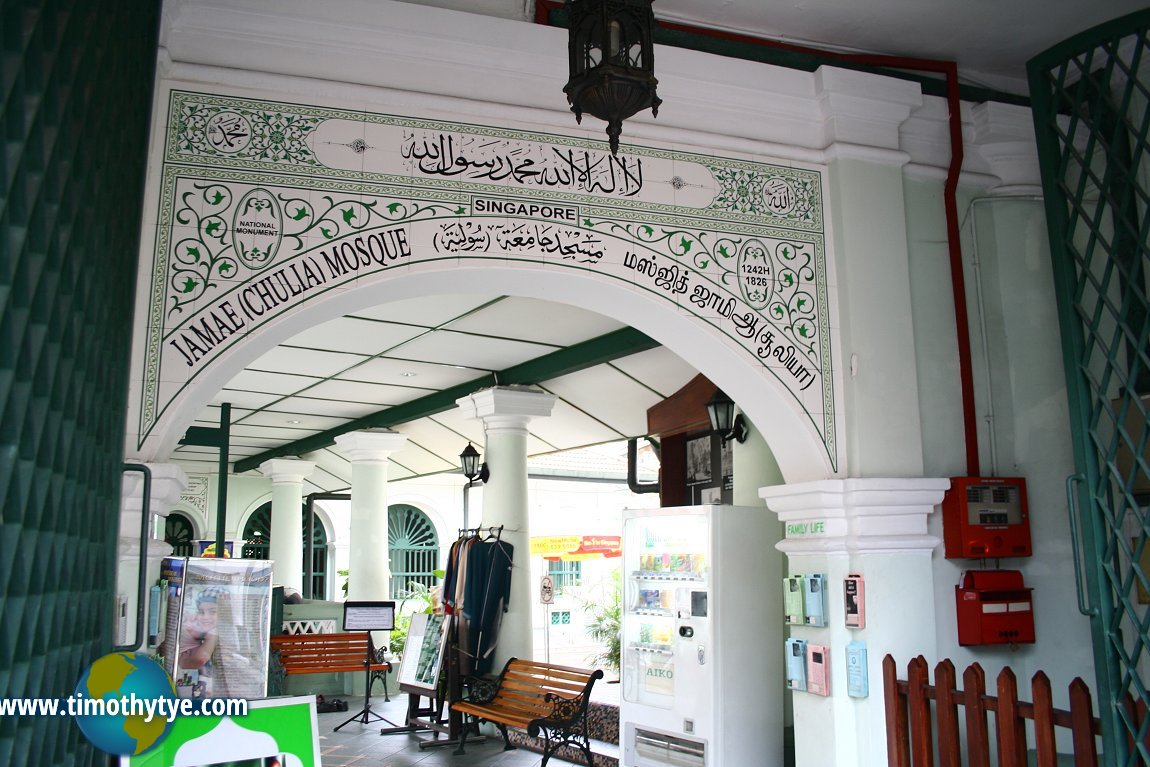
300	213
685	244
226	268
801	304
391	208
460	211
326	232
804	330
786	252
189	285
722	250
212	227
348	215
216	198
588	222
777	311
195	254
647	230
789	279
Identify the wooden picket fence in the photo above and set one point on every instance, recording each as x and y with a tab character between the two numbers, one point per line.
910	735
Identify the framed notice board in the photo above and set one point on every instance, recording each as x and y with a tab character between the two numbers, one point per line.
423	653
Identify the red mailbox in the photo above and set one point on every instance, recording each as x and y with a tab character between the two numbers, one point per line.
994	607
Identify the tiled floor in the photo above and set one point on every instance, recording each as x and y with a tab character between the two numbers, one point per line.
361	745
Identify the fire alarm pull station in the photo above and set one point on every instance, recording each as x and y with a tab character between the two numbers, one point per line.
986	517
994	607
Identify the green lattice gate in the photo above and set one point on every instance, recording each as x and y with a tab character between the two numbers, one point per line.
75	96
1090	105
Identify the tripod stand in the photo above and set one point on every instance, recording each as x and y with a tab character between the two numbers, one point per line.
371	673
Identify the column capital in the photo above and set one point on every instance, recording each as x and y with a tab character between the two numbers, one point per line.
863	111
370	445
287	470
168	482
856	515
1004	137
507	408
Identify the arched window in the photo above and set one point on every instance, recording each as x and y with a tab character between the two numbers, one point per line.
178	533
257	539
412	548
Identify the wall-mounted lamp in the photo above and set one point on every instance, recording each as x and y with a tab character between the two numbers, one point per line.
721	411
612	61
472	468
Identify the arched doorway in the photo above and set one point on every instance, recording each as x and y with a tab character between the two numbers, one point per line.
257	545
412	548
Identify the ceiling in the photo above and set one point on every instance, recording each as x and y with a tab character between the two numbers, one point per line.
414	357
418	356
990	40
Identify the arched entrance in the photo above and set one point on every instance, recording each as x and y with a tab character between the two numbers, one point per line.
722	261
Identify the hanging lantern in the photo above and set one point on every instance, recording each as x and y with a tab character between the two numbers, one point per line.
612	61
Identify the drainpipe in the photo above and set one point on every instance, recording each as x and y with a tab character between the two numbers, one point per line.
949	70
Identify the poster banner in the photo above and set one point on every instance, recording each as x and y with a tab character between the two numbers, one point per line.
222	641
282	732
423	654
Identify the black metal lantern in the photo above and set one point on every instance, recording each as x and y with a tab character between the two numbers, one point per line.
721	412
612	61
472	468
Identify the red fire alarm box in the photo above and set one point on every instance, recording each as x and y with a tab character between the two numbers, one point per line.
984	517
994	607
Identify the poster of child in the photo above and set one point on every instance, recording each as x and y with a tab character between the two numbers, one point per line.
199	640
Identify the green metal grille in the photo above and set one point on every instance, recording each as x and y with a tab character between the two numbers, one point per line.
1090	98
412	548
75	95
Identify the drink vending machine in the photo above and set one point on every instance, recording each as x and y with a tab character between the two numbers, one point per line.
694	662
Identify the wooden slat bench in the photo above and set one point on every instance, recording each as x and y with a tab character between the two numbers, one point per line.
540	698
331	653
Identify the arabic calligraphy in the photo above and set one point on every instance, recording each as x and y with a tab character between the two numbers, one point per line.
540	239
485	158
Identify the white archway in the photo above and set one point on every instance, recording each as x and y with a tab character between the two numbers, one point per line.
800	456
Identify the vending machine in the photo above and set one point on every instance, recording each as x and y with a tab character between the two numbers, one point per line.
701	688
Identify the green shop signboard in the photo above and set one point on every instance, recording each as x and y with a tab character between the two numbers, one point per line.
277	732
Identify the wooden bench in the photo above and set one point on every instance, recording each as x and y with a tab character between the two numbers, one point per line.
331	653
536	697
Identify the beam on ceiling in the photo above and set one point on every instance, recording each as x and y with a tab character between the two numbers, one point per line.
596	351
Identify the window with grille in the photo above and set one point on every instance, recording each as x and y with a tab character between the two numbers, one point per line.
178	533
412	548
565	574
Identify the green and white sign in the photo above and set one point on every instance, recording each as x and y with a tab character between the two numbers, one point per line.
267	206
281	731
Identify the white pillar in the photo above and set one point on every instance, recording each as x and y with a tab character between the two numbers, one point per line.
168	481
369	572
876	528
505	412
286	545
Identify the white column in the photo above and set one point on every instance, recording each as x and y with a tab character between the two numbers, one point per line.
876	528
862	116
168	481
505	412
286	545
369	571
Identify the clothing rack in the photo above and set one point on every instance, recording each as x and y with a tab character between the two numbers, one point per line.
475	532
